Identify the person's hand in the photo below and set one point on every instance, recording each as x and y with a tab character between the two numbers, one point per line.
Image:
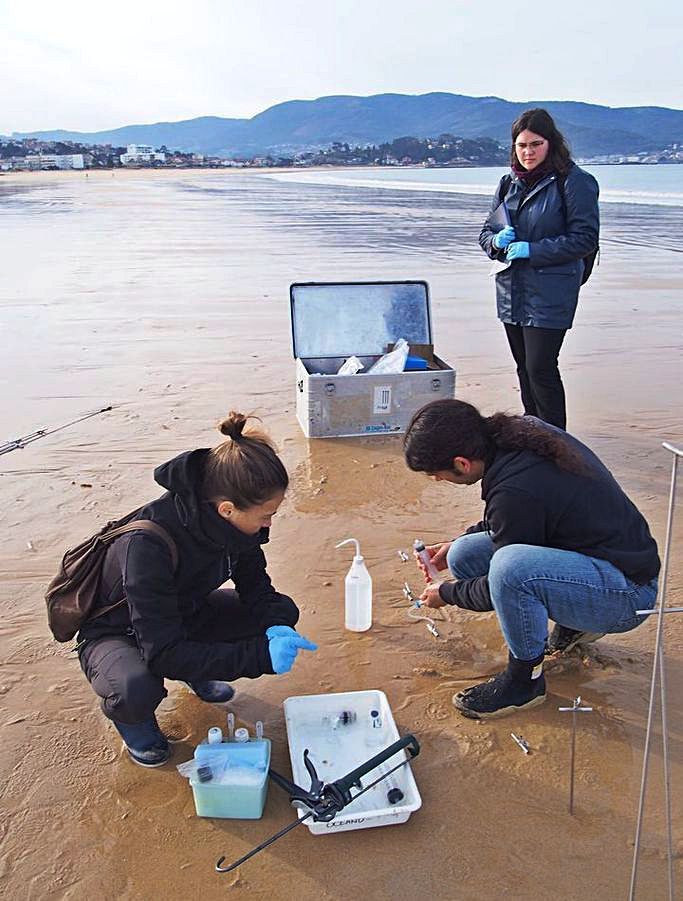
430	597
504	237
519	250
437	554
280	631
284	643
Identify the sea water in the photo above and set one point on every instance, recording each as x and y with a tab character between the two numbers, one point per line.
659	185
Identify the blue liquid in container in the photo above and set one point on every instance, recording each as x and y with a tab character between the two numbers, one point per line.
239	783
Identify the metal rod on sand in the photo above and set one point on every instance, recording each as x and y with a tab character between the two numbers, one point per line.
20	443
574	709
658	666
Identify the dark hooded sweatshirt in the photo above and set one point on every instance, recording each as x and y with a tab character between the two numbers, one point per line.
162	605
530	500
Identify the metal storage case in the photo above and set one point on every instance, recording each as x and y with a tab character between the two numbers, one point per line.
332	321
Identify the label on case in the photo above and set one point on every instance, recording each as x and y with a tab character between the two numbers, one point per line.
382	399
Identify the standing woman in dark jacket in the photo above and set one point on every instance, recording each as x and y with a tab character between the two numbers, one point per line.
544	221
158	621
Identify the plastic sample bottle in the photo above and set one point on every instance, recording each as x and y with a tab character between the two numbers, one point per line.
357	592
215	736
374	735
423	554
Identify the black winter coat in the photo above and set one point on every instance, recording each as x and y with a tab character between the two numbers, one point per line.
543	291
161	605
530	500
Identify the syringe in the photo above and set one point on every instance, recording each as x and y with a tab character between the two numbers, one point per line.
423	554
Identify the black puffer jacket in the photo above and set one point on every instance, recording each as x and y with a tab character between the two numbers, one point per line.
543	291
530	500
161	604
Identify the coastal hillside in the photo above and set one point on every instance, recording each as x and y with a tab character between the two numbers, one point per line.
299	125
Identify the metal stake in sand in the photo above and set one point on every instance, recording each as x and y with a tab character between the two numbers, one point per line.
574	709
658	665
521	741
19	443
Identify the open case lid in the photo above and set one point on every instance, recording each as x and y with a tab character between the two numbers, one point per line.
338	319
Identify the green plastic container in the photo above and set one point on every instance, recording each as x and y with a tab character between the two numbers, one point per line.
239	783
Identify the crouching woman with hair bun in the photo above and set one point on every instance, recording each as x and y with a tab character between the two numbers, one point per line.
169	622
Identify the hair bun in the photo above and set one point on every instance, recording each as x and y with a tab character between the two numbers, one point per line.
234	425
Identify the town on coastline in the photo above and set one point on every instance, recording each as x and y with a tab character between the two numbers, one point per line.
446	150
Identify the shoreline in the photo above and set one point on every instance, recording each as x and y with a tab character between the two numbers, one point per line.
336	167
343	176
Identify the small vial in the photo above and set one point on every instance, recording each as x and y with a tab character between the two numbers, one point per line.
241	734
231	726
423	554
374	736
345	718
215	736
259	730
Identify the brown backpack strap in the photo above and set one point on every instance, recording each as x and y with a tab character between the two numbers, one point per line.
146	525
139	525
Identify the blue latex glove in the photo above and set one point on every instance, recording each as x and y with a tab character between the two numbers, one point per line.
283	645
504	237
518	251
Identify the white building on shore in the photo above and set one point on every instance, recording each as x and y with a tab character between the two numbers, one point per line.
141	153
44	161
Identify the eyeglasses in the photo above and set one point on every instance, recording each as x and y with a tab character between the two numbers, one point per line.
533	145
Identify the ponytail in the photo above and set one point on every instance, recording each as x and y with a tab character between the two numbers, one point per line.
244	469
445	429
528	433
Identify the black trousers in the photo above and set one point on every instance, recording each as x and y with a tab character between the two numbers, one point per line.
536	351
129	692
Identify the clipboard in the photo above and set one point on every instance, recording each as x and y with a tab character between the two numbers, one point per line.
499	266
499	219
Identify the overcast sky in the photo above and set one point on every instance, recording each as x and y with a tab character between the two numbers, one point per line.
89	66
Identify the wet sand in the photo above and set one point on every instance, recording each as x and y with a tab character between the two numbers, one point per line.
166	294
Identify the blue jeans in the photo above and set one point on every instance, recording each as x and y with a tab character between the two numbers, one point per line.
529	584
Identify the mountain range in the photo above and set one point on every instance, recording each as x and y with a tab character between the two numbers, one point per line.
299	125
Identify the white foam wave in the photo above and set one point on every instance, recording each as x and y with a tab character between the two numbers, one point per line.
483	188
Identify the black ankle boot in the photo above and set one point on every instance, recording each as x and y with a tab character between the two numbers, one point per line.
145	742
563	639
520	686
212	691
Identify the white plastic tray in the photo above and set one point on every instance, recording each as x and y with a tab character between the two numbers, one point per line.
337	748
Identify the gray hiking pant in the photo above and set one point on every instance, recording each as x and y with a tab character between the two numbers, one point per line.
129	692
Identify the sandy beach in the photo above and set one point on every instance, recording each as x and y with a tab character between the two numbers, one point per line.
166	295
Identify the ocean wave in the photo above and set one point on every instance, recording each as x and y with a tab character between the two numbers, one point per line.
655	198
382	180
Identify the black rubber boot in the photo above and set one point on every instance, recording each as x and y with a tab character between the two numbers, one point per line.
519	687
145	742
212	691
563	639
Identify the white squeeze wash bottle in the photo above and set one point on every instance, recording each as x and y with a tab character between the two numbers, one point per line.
357	592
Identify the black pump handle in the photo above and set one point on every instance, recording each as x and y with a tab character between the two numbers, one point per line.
408	742
335	795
